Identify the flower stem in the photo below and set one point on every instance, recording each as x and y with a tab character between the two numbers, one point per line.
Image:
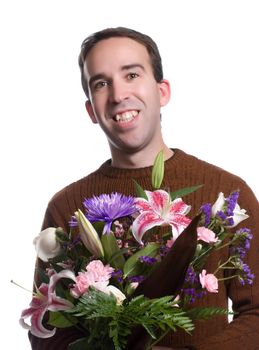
227	278
18	285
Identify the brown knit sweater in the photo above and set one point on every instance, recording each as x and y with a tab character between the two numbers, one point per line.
181	170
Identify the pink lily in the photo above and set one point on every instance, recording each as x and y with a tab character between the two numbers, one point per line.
45	299
160	210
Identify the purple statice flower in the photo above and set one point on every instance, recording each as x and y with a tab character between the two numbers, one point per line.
147	260
231	202
220	214
137	279
246	275
230	222
242	241
206	210
163	251
118	275
191	286
191	276
193	294
109	207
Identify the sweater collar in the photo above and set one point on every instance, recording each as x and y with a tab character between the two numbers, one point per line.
108	170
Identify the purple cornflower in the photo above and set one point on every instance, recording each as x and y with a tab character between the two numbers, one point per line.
147	260
108	207
206	210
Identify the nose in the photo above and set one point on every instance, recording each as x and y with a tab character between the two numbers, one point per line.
118	91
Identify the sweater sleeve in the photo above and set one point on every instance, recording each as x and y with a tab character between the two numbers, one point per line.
242	332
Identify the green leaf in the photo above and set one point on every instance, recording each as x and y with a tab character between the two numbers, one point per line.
61	320
131	265
139	190
80	344
112	251
61	235
109	325
203	313
184	191
158	170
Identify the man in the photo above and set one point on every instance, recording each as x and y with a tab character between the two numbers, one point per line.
122	77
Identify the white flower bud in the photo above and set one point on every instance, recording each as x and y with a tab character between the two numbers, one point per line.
46	244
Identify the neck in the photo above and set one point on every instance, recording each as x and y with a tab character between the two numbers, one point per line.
138	159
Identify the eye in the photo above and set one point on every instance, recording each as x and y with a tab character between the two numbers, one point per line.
100	84
132	76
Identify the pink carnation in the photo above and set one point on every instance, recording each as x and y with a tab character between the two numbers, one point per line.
209	281
101	273
83	281
94	276
206	235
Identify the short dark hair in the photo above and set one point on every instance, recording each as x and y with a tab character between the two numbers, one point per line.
143	39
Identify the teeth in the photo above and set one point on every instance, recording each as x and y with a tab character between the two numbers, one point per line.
126	116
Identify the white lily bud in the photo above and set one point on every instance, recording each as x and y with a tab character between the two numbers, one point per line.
88	235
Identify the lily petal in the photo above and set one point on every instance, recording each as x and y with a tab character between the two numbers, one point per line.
218	205
159	200
37	327
178	206
144	222
142	204
57	276
239	215
46	299
179	223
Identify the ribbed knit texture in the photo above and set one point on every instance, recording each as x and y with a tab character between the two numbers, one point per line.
181	170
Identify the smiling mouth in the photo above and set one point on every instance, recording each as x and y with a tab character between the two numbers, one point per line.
126	116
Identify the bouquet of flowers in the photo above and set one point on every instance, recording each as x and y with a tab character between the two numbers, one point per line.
124	281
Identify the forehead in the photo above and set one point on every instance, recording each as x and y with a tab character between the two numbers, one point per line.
111	54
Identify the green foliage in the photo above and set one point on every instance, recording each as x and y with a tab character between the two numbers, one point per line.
184	191
139	190
133	266
158	170
112	253
110	322
207	312
61	320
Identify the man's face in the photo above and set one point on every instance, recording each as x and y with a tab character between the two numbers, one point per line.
125	99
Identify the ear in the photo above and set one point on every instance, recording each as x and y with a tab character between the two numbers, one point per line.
165	92
90	111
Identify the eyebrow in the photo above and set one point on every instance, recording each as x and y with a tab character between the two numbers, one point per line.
123	68
133	65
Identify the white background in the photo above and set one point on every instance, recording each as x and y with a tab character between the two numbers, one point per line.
210	55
